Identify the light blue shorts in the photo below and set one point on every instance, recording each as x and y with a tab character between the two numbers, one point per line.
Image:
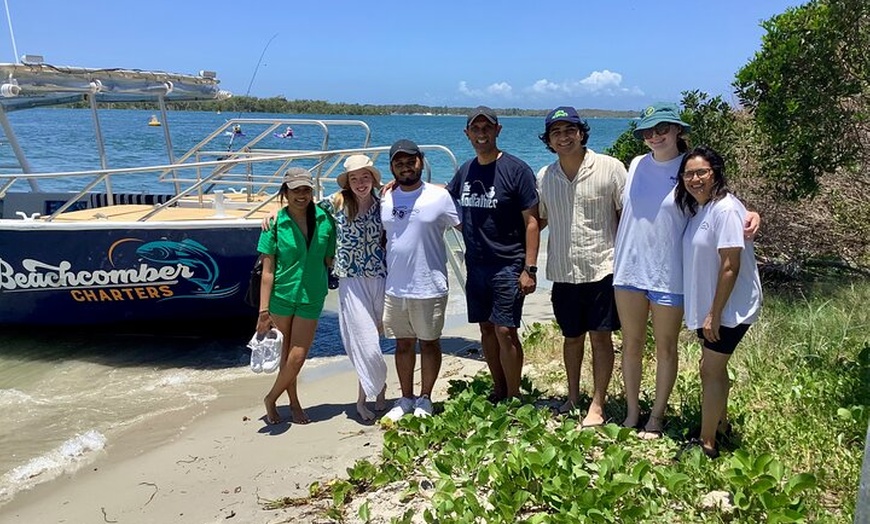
657	297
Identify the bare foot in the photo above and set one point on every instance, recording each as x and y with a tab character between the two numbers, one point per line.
299	415
595	417
272	416
381	401
654	429
567	407
364	412
630	422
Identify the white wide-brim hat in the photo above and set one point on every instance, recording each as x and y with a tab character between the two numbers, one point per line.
354	162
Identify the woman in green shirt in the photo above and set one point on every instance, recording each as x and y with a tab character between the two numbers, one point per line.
297	250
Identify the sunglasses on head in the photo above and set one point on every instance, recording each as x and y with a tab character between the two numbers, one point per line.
661	128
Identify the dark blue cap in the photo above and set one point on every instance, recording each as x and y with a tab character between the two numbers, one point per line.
562	114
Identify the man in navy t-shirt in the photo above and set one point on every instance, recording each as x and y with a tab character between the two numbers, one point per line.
498	204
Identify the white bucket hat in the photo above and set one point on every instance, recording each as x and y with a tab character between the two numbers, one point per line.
354	162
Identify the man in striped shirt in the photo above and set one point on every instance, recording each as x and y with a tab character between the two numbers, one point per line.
580	199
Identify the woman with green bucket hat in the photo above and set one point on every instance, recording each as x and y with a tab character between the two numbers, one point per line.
648	276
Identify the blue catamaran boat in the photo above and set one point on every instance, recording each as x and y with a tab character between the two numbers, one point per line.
95	256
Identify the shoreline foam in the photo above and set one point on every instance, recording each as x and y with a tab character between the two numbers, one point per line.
223	461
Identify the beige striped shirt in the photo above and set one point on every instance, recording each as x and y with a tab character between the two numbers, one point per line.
582	215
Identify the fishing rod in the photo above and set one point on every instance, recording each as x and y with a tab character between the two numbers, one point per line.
11	33
250	84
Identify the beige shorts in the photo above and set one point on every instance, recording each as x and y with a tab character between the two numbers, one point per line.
421	318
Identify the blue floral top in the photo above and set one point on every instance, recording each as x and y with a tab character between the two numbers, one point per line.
358	250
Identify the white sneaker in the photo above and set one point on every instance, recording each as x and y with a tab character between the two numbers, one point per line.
257	355
423	407
271	349
402	407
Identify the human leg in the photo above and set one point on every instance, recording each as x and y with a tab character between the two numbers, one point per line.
572	354
299	334
381	400
633	308
714	388
715	383
490	346
361	408
406	359
565	298
510	352
430	365
666	322
602	370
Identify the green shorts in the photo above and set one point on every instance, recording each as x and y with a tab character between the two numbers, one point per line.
284	308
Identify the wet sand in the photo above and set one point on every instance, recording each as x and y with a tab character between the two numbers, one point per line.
220	465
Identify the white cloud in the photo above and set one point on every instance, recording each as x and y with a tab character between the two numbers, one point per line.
501	89
605	82
465	90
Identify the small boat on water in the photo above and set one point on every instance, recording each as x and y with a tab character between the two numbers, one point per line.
153	121
181	255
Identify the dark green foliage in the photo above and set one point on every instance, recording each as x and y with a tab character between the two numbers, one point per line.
512	462
713	125
626	146
809	92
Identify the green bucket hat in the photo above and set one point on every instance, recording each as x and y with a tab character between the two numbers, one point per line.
656	114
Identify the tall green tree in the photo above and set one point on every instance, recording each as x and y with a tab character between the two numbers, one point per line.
808	90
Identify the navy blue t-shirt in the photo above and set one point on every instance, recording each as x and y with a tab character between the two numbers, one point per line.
491	199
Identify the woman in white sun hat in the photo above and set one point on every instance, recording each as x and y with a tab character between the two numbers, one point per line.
361	267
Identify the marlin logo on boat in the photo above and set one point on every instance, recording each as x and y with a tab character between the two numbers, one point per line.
188	253
156	270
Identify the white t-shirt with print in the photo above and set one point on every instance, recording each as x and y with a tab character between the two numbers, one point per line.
648	252
719	225
414	222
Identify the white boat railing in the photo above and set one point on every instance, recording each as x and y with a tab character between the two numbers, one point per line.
261	175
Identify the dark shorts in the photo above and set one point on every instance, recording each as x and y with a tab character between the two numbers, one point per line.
492	294
729	337
585	307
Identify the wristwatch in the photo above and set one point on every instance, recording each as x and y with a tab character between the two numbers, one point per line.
531	270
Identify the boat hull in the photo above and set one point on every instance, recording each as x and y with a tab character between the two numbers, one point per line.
142	274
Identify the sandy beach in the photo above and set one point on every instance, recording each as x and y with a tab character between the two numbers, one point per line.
221	464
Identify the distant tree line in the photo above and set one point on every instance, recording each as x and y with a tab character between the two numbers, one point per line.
280	105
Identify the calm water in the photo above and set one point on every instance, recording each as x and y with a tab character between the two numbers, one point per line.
66	396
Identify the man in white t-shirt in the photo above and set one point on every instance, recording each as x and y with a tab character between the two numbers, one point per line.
415	215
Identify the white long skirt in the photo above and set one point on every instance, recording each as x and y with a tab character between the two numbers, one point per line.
360	309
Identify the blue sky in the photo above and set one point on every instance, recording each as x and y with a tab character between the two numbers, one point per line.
612	54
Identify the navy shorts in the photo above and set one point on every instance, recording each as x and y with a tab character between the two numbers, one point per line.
492	294
729	337
585	307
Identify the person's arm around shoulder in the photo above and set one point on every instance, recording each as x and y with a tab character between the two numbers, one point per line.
751	225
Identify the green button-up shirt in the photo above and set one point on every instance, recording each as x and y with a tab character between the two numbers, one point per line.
300	272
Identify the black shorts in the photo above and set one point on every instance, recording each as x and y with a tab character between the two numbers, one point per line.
729	337
492	294
585	307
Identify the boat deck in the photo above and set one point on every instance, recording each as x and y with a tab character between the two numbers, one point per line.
134	212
